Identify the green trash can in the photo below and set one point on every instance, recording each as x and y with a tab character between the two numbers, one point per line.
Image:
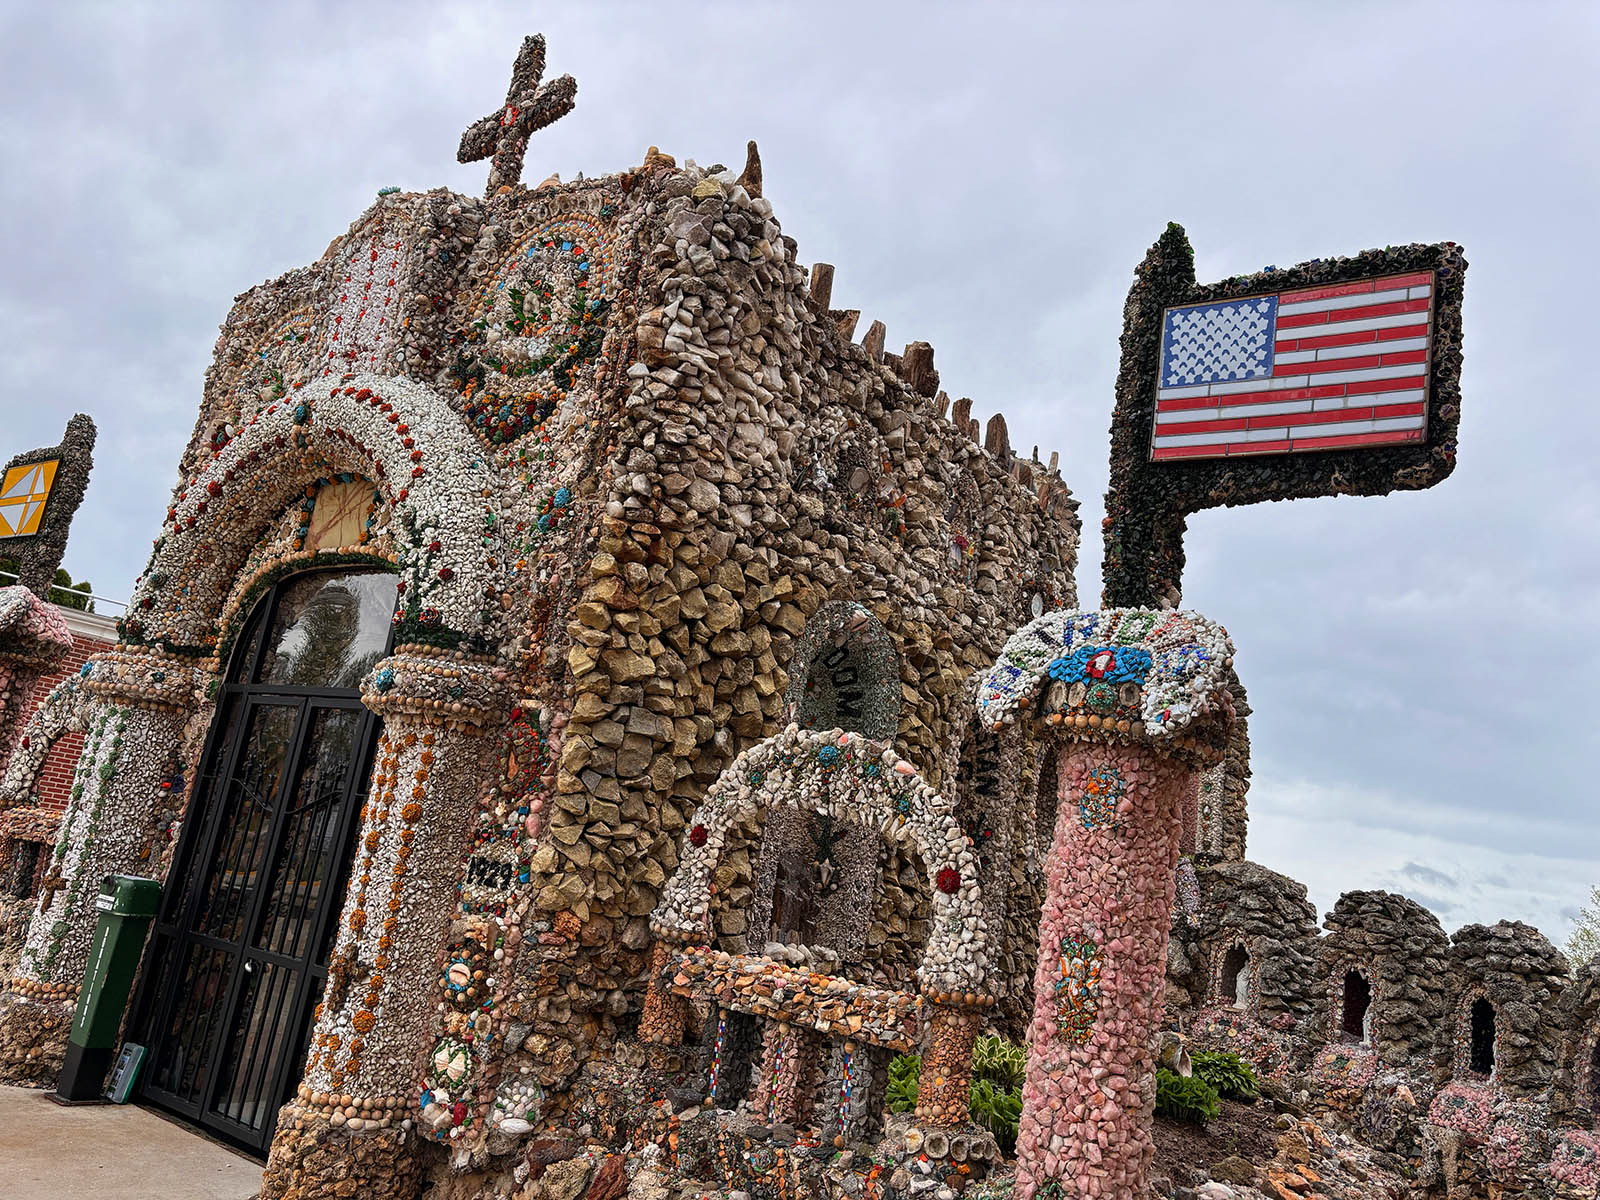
126	905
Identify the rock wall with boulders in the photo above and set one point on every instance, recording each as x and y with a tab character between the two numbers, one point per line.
1402	952
1515	968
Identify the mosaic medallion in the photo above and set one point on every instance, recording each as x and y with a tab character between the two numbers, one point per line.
1097	803
1077	989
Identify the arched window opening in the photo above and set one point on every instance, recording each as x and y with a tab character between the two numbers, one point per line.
1356	1023
1482	1034
1234	985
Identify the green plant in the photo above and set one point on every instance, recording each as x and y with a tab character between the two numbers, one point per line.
995	1101
905	1073
999	1110
1229	1075
999	1062
1185	1097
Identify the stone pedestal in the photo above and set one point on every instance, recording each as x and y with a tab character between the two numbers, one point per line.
943	1090
1090	1092
314	1158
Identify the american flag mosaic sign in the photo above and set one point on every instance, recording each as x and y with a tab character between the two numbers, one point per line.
1337	367
1335	377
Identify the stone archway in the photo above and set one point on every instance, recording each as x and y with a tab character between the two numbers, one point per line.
845	777
58	714
442	687
850	778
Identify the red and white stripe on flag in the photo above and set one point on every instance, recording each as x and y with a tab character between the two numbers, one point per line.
1323	368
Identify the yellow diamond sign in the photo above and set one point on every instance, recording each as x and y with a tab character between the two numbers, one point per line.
22	496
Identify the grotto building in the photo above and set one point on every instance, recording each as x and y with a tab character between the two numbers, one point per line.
589	713
504	529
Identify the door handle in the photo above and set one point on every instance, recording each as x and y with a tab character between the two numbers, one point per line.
249	966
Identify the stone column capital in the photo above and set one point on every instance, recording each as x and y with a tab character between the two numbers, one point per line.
443	688
148	677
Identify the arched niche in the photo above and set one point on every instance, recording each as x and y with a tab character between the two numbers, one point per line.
1235	982
1354	1011
420	456
849	778
1476	1037
845	674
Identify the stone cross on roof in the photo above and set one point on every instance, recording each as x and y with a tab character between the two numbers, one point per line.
530	105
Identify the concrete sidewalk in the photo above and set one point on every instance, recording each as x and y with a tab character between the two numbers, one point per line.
48	1152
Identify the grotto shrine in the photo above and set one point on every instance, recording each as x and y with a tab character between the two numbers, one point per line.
552	672
594	718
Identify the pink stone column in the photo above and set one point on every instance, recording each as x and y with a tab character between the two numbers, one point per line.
1090	1091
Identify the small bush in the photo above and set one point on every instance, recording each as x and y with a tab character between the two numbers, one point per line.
999	1062
1229	1075
995	1101
1185	1098
999	1110
905	1073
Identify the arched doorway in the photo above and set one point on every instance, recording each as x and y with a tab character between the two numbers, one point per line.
239	955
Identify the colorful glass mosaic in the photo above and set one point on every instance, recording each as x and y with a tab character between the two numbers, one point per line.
538	325
1097	803
1166	668
1077	989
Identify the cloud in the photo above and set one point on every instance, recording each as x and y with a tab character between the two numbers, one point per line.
1427	875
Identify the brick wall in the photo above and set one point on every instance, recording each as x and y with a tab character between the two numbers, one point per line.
55	782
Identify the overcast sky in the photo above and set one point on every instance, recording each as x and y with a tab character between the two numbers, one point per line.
983	178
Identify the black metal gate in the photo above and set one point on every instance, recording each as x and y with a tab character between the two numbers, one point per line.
239	954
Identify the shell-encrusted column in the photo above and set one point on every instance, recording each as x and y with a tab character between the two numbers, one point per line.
1137	700
141	699
946	1078
665	1015
352	1119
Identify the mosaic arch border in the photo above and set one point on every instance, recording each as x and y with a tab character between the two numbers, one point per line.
874	652
854	778
64	710
420	454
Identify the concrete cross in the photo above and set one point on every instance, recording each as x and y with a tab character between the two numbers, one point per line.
530	105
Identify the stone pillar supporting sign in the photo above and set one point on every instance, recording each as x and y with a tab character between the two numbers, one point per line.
1339	376
1138	702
